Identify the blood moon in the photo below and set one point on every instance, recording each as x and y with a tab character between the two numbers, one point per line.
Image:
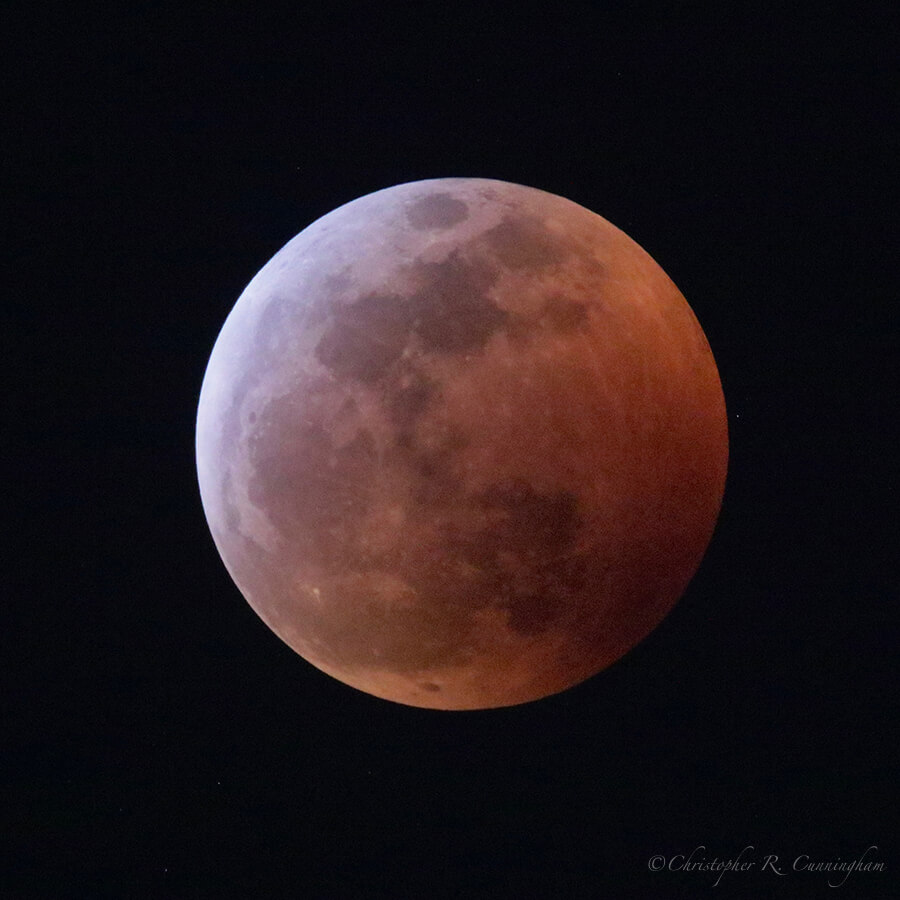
461	443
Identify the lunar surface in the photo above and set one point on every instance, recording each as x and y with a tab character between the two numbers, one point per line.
461	443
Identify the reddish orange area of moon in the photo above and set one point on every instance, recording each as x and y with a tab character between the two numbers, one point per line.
461	443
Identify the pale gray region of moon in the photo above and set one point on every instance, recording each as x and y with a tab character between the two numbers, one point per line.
461	443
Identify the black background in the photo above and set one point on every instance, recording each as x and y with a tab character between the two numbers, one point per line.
158	739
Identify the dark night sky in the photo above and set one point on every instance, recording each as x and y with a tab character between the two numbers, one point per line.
158	740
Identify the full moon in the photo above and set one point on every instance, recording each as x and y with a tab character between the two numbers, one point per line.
461	443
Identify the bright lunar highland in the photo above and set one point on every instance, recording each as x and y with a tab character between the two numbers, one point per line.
461	443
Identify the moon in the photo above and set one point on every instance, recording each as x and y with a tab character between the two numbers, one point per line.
461	443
